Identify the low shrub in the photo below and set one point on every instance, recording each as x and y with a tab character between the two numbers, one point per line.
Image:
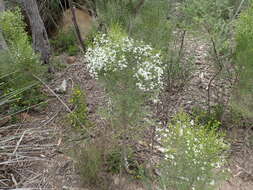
89	163
131	73
243	92
65	42
211	120
194	156
79	117
19	89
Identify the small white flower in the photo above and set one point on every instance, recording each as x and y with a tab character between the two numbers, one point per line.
108	55
212	182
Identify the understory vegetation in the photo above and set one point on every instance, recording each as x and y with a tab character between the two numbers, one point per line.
19	89
137	53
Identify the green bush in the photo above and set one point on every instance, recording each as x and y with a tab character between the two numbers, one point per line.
19	89
131	73
243	94
79	117
149	24
112	12
89	163
22	57
65	42
152	26
211	120
194	156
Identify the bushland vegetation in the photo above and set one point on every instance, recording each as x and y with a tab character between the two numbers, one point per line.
137	53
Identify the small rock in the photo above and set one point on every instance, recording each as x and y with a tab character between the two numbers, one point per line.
62	88
71	59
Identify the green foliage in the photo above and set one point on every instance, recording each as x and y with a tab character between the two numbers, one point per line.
243	96
194	156
210	120
79	117
114	161
90	163
152	26
115	12
58	63
239	5
65	41
141	24
23	59
131	74
19	88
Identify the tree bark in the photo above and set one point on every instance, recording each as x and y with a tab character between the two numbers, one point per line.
39	33
3	45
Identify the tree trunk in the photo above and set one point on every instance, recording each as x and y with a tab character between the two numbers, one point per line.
39	33
3	45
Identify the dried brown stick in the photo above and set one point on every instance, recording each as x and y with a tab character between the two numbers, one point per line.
18	143
63	103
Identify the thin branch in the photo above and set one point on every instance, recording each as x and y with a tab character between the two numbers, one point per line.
216	75
76	25
63	103
138	7
182	44
18	143
238	10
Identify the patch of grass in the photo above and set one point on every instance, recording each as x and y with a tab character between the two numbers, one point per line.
90	164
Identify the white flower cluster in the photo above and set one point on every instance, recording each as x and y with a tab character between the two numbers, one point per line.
187	143
110	54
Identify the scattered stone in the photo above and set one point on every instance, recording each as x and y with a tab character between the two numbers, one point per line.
62	88
71	59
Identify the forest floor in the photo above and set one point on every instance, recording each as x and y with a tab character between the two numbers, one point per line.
49	164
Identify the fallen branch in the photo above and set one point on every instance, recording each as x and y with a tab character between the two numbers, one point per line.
18	143
63	103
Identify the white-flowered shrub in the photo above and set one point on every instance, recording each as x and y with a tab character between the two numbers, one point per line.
116	53
131	73
194	156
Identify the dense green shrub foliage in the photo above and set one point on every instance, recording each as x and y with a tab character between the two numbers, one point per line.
194	155
65	42
139	22
22	57
79	117
243	99
151	24
18	87
115	12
